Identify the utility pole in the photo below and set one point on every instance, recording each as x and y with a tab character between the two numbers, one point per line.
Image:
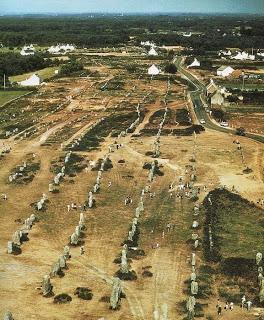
243	78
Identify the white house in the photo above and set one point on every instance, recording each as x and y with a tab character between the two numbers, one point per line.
225	53
187	35
224	71
211	88
244	56
32	81
61	49
28	51
217	99
152	52
148	43
195	63
153	70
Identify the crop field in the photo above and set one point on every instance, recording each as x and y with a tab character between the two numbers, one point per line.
6	95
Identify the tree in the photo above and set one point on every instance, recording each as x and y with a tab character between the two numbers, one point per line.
72	67
170	68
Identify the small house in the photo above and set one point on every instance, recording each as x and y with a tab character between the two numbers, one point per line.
152	52
211	88
27	51
194	64
153	70
224	71
217	99
32	81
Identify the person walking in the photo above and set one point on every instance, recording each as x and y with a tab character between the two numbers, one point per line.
249	304
219	310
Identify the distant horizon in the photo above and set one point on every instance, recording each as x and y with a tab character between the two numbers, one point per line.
129	13
127	7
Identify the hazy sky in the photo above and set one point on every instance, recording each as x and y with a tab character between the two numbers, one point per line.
83	6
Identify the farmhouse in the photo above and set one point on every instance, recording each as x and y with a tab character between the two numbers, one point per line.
61	49
211	88
195	63
153	70
28	51
32	81
243	56
217	99
152	52
225	71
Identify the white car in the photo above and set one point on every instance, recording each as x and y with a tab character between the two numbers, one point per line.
202	121
224	124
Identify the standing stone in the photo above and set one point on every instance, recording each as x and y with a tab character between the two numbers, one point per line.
164	312
124	265
156	315
195	224
39	205
62	262
10	247
90	200
196	244
258	258
96	187
141	206
78	231
55	269
32	218
137	214
193	276
193	259
66	252
17	238
116	294
261	293
74	239
190	307
194	288
46	286
8	316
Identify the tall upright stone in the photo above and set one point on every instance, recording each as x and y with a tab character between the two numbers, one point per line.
8	316
66	252
190	305
124	264
258	258
46	286
116	294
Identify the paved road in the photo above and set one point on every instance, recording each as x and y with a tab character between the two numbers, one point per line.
198	103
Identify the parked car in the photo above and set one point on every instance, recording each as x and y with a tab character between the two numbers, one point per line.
224	124
202	121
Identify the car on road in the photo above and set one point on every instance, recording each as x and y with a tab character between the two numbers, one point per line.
224	124
202	121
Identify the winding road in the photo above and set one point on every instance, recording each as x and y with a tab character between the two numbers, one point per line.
196	97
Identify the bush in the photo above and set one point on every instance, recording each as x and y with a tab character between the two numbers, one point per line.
147	274
62	298
170	68
130	276
70	68
84	293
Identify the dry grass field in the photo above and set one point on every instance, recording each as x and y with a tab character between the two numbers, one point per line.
48	123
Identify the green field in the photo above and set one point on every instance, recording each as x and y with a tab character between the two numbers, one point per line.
245	108
6	96
45	74
238	85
